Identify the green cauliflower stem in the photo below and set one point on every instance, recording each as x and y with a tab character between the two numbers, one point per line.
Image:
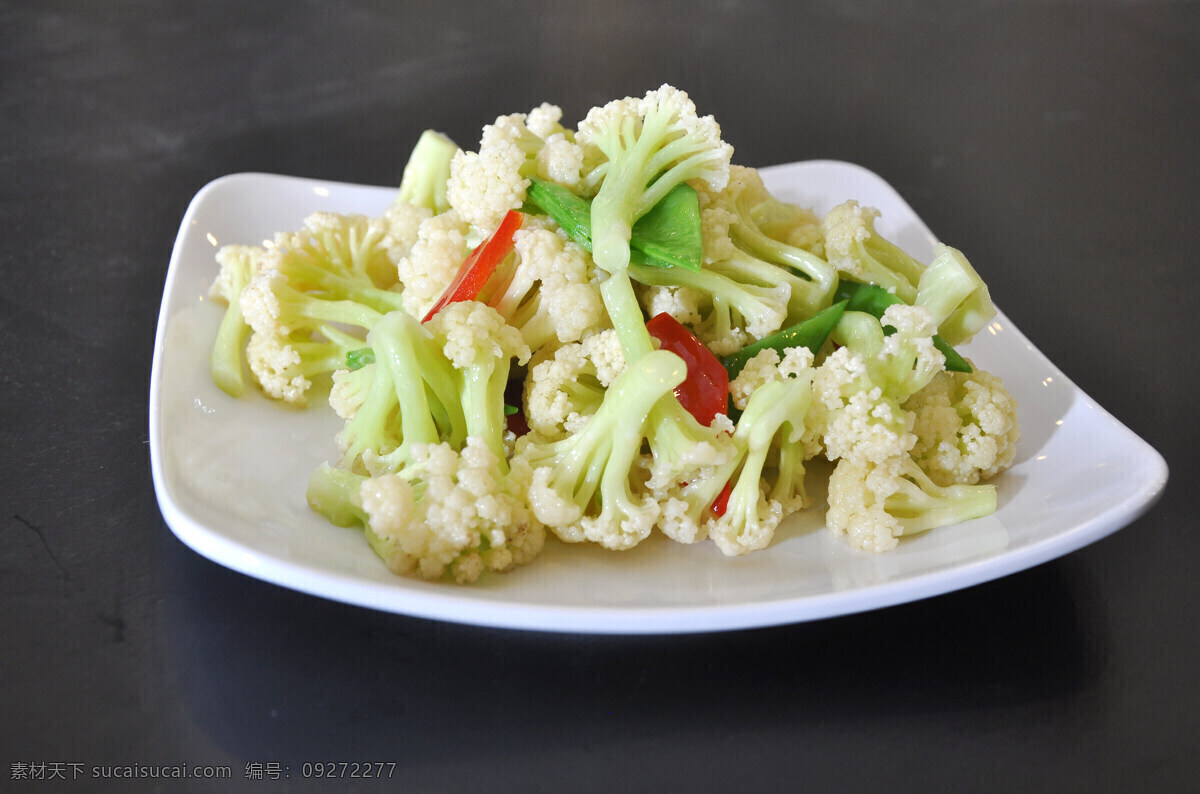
955	295
423	183
650	146
413	398
238	264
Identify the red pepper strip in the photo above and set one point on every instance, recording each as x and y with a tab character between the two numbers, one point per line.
705	392
480	264
721	503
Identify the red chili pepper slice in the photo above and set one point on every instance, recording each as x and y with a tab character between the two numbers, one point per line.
705	392
721	503
480	264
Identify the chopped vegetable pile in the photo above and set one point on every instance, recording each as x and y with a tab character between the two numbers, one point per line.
612	330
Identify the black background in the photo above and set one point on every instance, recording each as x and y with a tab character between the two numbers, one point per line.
1054	142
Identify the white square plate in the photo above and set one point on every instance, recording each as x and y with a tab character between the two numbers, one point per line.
230	474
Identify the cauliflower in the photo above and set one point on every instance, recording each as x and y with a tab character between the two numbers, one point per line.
874	504
681	303
855	248
860	387
486	184
352	245
877	492
591	485
553	294
472	333
424	466
750	237
766	366
309	287
966	427
401	222
739	502
560	161
545	120
446	513
834	341
284	367
238	265
433	261
350	389
566	384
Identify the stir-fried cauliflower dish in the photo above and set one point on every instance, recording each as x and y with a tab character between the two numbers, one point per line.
605	332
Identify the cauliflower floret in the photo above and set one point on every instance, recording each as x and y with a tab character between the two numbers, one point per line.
464	519
238	264
740	532
553	294
401	224
471	329
565	385
274	364
603	127
433	261
346	243
715	221
854	247
682	303
560	160
851	417
545	120
874	504
350	389
966	427
857	495
859	388
767	366
603	349
484	185
868	427
846	226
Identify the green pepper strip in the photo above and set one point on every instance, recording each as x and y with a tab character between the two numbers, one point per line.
873	300
810	333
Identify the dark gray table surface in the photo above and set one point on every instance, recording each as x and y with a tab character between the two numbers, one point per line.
1055	142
